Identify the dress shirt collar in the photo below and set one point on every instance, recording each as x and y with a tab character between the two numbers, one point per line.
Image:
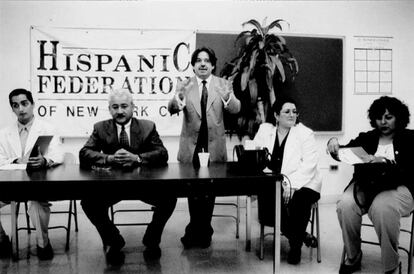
199	81
127	128
200	84
28	126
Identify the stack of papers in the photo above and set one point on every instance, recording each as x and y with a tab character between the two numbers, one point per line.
353	155
13	167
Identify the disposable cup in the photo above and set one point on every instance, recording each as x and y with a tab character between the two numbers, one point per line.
203	157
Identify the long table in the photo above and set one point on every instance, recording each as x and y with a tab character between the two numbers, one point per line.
70	182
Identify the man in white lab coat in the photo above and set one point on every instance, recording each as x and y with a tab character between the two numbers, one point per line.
16	143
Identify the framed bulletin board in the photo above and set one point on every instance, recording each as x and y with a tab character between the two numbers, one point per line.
318	88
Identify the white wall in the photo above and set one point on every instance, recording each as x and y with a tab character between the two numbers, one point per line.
338	18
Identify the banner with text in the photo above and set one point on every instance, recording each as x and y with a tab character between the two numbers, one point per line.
72	68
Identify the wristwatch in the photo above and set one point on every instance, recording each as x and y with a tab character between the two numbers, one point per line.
139	160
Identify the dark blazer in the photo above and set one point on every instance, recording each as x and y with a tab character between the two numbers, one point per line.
403	143
144	141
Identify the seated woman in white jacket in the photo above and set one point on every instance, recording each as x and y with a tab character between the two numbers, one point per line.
294	154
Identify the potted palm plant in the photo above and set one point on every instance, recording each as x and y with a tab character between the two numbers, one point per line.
263	64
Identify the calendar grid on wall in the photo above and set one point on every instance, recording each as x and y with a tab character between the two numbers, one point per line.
372	71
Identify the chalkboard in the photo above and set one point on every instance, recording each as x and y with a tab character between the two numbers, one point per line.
318	88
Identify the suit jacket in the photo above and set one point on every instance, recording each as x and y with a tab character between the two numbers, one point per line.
192	120
300	157
403	152
11	149
144	140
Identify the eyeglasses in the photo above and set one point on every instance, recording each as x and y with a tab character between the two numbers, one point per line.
290	111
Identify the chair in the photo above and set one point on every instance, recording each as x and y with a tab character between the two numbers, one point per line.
409	251
236	218
68	158
72	211
236	205
314	225
114	211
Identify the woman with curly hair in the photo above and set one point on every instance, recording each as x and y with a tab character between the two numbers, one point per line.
390	145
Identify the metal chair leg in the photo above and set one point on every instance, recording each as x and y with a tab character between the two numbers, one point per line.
112	215
26	208
318	249
75	212
411	249
261	250
312	227
113	211
235	217
17	230
69	225
238	217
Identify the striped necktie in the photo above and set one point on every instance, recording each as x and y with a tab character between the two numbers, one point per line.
123	138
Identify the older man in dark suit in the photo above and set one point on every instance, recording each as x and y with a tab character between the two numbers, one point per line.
125	142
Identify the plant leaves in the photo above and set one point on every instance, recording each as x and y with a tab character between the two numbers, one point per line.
293	61
263	62
241	35
269	70
237	64
255	24
253	91
269	78
279	66
276	23
252	63
281	39
250	128
272	95
273	45
271	63
264	21
260	111
244	78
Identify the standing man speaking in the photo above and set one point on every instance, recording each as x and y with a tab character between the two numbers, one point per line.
202	98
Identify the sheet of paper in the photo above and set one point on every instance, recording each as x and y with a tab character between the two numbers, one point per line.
250	145
13	167
267	170
352	155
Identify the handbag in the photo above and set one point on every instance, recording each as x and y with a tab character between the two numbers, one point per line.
371	179
255	159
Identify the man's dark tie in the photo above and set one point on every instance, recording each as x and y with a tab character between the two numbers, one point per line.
123	138
202	141
203	128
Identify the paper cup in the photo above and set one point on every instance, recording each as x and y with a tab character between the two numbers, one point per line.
203	157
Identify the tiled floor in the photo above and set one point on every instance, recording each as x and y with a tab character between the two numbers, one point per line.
226	255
